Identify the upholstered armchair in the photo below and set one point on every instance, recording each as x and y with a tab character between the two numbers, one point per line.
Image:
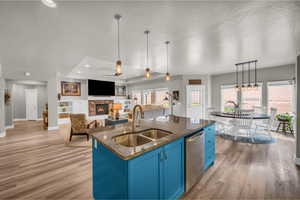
79	125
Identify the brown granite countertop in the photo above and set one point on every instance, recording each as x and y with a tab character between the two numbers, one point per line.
179	126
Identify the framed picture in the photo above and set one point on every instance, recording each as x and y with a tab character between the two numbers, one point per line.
176	95
70	88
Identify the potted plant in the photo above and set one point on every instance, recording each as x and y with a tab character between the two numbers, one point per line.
285	117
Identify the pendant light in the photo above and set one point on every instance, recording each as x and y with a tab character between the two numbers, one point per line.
249	84
119	62
255	75
168	76
243	86
147	70
237	77
255	85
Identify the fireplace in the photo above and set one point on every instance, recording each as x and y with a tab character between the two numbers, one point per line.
102	109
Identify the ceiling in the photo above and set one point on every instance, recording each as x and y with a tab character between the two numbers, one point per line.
206	37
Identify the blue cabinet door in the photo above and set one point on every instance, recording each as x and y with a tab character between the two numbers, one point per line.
210	139
172	170
109	174
144	176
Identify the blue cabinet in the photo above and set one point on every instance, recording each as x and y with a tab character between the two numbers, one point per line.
172	170
109	174
210	152
144	176
158	174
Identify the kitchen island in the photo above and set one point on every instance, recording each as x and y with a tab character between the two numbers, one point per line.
149	163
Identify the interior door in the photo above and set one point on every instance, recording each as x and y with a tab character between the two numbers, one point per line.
196	103
31	104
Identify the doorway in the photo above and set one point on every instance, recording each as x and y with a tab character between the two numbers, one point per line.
196	103
31	104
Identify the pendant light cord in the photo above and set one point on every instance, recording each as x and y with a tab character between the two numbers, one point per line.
237	76
119	57
248	74
147	49
242	75
255	84
167	48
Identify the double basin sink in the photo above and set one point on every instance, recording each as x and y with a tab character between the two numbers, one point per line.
134	139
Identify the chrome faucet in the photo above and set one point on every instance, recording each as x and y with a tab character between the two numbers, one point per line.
135	115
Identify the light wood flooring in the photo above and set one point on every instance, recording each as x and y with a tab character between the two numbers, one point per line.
38	164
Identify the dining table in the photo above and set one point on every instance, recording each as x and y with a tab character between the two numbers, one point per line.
234	125
254	116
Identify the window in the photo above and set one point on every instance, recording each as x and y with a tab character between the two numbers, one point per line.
228	93
137	97
281	96
251	97
195	94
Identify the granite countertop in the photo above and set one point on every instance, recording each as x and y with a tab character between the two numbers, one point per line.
179	126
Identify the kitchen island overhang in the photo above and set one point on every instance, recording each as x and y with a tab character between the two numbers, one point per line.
178	126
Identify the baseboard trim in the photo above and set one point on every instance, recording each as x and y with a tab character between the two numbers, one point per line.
52	128
297	161
19	119
3	134
8	127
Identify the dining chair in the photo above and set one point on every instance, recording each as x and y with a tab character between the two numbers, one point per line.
221	126
243	126
269	124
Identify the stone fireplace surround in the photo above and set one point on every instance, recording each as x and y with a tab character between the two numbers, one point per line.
94	104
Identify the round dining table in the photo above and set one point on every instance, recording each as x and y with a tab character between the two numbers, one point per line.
240	116
230	127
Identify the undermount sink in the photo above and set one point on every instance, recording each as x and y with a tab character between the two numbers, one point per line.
134	139
156	133
131	140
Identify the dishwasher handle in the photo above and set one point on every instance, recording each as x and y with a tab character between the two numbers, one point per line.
194	137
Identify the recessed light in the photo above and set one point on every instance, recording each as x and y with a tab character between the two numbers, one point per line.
27	74
78	72
49	3
87	65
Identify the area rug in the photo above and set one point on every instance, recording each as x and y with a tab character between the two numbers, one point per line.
259	138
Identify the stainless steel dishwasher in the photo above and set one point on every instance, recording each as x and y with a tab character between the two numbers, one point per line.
194	154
